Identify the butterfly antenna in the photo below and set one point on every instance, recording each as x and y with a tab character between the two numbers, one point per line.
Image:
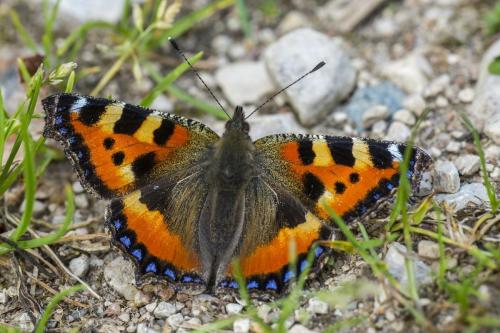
176	47
318	66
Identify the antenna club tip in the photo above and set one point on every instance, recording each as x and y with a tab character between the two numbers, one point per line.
173	42
318	66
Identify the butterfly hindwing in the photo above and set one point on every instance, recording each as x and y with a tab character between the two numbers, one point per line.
118	147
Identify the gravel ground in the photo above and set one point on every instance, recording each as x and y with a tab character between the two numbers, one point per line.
381	75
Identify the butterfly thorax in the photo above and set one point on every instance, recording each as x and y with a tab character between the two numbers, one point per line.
230	169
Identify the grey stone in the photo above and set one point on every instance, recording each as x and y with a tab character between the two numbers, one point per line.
410	73
466	95
453	147
163	103
3	296
384	93
395	260
298	328
241	325
398	132
297	53
175	320
38	207
292	21
468	164
425	186
144	328
416	104
244	82
492	129
317	306
437	86
80	265
378	129
262	125
428	249
77	187
119	274
446	178
374	114
233	308
492	153
79	11
164	310
23	322
470	196
81	201
404	116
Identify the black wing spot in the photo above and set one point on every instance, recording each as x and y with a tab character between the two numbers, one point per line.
130	120
91	113
354	177
341	150
118	158
340	187
164	132
306	153
108	143
143	164
380	154
313	187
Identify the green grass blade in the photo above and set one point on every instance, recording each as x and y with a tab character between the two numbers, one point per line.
244	19
49	16
9	329
80	33
3	137
166	81
197	103
27	40
42	323
71	82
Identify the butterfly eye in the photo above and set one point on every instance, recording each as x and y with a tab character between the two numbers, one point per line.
246	127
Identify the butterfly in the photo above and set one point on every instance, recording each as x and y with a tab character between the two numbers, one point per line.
183	202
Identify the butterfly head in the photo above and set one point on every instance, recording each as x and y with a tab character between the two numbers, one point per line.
237	123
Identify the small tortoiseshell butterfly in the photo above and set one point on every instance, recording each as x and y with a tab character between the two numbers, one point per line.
184	201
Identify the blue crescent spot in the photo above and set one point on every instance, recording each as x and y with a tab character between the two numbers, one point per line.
170	273
288	276
72	140
319	250
409	174
137	253
362	209
253	285
151	267
223	284
303	265
125	240
390	186
197	279
271	284
187	279
63	131
86	172
117	224
59	120
376	195
233	284
79	155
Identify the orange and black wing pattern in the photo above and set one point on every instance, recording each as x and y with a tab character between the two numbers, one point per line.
301	173
147	163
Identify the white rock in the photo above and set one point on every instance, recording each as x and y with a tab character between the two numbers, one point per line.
468	164
470	196
298	52
38	207
374	114
409	73
125	317
415	103
221	43
3	296
492	153
244	82
378	129
425	186
233	308
263	125
79	265
81	201
119	274
466	95
297	328
77	187
175	320
144	328
241	325
398	132
317	306
492	129
453	147
164	310
428	249
23	322
446	177
442	102
163	103
292	21
78	11
395	260
404	116
437	86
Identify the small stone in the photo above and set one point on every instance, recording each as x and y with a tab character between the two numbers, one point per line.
38	207
120	275
77	187
244	82
125	317
409	73
164	310
297	53
398	132
298	328
241	325
446	178
466	95
492	153
339	118
163	103
468	164
80	265
81	201
292	21
442	102
221	43
472	195
437	86
453	147
144	328
416	104
378	129
317	306
405	116
267	124
428	249
23	322
151	307
395	260
374	114
175	320
192	323
264	312
79	11
3	297
233	308
492	129
425	186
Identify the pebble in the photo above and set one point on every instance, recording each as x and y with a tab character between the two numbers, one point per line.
244	82
395	260
144	328
374	114
125	317
466	95
3	296
446	179
292	21
81	201
317	306
163	103
410	73
233	308
492	129
241	325
398	132
453	147
79	11
298	52
428	249
468	164
77	187
492	153
221	43
298	328
38	207
23	322
119	274
263	125
416	104
378	129
164	310
469	196
437	86
442	102
405	116
175	320
80	265
425	186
